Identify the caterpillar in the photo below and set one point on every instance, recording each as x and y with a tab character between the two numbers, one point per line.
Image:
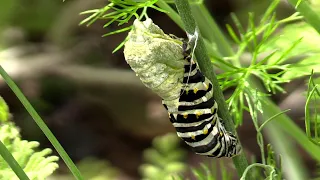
165	65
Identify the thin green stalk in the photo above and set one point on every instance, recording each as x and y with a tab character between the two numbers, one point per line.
294	168
307	111
271	118
41	124
263	166
7	156
275	130
204	62
309	14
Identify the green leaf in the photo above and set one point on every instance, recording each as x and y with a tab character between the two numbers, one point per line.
37	164
175	167
300	36
233	34
118	31
4	111
303	68
164	160
150	171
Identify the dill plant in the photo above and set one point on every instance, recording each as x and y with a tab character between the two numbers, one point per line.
164	160
253	84
20	158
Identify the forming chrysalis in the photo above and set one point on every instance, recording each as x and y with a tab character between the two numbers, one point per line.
165	64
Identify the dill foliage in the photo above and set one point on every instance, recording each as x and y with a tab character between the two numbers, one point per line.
37	164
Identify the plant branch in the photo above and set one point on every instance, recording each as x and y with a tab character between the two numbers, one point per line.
277	132
204	62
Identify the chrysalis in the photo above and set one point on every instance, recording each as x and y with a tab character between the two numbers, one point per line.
165	65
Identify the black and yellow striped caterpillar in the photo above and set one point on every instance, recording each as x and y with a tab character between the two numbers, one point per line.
165	64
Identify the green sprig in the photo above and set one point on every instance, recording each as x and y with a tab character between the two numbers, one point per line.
120	11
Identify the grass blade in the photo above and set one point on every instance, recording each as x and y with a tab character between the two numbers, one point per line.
44	128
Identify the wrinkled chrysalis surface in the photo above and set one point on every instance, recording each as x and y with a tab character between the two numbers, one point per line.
156	58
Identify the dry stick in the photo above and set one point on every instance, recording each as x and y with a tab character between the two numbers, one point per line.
205	65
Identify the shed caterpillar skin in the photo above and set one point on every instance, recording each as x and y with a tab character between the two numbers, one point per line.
165	65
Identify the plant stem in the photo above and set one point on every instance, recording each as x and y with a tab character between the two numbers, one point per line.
305	9
7	156
275	131
205	65
44	128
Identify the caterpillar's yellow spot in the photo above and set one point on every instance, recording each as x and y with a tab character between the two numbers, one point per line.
206	86
187	91
185	116
198	114
205	131
169	115
221	134
195	90
193	137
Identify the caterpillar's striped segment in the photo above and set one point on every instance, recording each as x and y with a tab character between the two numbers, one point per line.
166	65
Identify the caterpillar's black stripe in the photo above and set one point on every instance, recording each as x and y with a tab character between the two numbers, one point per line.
186	50
215	141
192	118
165	106
203	105
225	149
190	96
198	137
193	128
198	77
187	67
187	58
171	118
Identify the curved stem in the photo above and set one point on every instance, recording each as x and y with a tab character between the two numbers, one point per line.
205	65
263	166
